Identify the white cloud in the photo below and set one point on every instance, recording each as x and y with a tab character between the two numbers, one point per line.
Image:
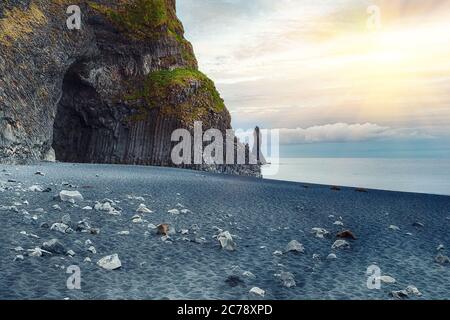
343	132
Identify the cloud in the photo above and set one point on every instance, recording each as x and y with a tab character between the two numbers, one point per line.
343	132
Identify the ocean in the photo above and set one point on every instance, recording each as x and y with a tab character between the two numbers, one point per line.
409	175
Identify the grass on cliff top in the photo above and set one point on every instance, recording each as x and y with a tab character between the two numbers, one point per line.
161	85
17	24
145	18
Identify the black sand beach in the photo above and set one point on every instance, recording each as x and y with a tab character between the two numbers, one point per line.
262	216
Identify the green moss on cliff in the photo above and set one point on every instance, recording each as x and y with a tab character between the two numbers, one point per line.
186	93
148	20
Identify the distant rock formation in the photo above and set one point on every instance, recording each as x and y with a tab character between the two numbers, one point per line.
111	92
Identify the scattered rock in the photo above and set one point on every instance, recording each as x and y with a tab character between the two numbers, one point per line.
347	234
61	227
71	253
288	279
36	188
294	246
338	223
87	259
38	252
174	211
56	207
18	257
54	246
418	225
340	244
412	290
111	262
226	241
441	259
163	229
248	274
137	219
257	291
400	294
387	279
440	247
320	232
277	253
70	196
107	206
143	209
92	250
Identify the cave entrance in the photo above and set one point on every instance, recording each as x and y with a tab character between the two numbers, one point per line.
73	127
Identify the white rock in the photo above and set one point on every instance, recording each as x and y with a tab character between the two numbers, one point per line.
288	279
56	207
18	257
248	274
107	206
387	279
331	256
257	291
123	233
111	262
339	223
36	188
320	232
143	209
174	211
393	227
184	231
70	196
413	290
340	244
185	211
226	241
440	247
87	259
87	208
92	249
277	253
71	253
88	242
137	219
295	246
316	256
61	227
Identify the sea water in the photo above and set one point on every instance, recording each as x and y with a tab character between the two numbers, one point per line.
409	175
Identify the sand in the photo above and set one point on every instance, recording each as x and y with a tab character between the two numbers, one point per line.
262	216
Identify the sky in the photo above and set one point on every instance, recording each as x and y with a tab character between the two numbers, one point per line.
328	71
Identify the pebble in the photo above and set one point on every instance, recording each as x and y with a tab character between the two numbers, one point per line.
143	209
226	241
340	244
257	291
111	262
70	196
320	232
393	227
295	246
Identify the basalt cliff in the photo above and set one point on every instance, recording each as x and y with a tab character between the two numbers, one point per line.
112	91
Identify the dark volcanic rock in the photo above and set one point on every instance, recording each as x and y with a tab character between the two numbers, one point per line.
112	92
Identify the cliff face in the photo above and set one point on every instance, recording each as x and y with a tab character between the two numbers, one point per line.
112	92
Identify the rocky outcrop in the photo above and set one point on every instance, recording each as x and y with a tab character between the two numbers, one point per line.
111	92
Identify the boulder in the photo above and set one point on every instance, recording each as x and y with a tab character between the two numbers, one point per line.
295	246
257	292
54	246
111	262
340	244
346	234
70	196
226	241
